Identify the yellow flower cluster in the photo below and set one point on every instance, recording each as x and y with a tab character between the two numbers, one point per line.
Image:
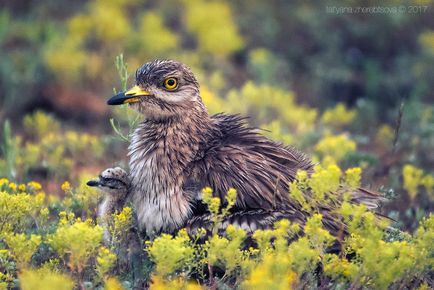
17	209
44	279
142	34
414	177
171	253
338	116
379	262
324	181
105	261
84	196
159	283
335	147
22	247
225	252
264	101
385	135
40	124
214	103
271	273
53	149
76	242
155	37
212	202
120	224
353	177
213	25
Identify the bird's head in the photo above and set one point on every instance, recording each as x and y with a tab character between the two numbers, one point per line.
164	89
112	181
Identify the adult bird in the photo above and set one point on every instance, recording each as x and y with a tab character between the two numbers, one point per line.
179	149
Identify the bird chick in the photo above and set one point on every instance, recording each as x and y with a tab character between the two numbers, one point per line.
114	183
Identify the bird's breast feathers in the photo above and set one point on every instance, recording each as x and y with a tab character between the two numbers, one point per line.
156	186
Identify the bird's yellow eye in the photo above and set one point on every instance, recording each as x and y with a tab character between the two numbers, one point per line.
170	83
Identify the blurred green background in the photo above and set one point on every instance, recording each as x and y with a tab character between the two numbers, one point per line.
335	84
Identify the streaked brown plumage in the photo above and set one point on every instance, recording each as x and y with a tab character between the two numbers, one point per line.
179	149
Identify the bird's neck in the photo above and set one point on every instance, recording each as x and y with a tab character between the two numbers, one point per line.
177	138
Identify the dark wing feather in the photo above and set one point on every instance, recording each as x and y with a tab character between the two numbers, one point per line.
371	199
237	156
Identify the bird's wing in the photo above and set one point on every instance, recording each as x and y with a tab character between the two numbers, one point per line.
239	157
260	170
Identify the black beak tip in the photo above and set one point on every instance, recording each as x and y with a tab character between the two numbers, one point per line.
92	183
117	99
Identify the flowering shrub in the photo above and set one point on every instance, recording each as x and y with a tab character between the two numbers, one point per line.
371	257
44	279
280	103
68	249
76	241
49	150
336	147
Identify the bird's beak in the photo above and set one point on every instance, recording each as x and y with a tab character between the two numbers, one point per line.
93	183
131	96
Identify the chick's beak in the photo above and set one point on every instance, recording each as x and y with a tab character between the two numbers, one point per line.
131	96
93	183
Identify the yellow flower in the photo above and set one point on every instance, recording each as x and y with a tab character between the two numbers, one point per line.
66	186
105	261
324	181
212	202
44	212
121	224
13	186
34	185
352	177
3	181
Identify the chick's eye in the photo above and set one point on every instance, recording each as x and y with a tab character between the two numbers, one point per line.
170	83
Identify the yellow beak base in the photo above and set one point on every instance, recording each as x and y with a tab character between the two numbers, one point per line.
131	96
136	91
